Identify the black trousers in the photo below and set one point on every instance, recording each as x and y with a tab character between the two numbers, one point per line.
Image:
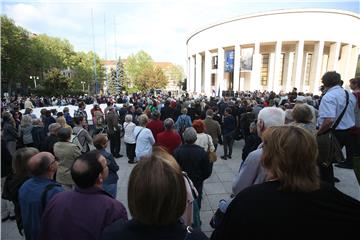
346	139
228	142
114	139
130	151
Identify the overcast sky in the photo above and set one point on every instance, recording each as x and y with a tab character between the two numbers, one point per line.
159	27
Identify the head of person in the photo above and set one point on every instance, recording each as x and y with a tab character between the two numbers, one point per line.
89	170
157	192
61	120
8	118
20	160
331	79
155	115
42	164
199	126
355	83
26	121
227	111
210	113
268	117
290	155
190	135
252	127
128	118
54	128
81	105
302	113
28	111
168	124
43	111
37	122
64	134
184	111
100	141
79	121
66	110
143	120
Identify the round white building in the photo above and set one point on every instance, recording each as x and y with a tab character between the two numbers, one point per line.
275	50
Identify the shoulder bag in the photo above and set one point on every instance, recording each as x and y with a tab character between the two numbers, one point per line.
212	154
329	147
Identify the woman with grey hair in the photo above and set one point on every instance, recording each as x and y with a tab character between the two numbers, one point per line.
169	138
25	129
193	160
144	138
129	138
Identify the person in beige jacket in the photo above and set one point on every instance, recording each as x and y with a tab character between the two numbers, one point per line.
212	127
66	153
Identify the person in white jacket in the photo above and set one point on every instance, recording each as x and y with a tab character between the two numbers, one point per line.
129	138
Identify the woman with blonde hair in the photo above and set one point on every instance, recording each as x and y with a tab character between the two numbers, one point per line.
291	197
157	200
62	121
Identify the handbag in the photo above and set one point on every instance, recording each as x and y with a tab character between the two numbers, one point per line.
211	154
329	148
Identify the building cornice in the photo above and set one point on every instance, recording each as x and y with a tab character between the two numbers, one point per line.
275	12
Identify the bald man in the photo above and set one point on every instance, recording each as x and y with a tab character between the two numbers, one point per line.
84	212
37	191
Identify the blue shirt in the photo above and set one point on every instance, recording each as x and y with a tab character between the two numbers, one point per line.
333	103
30	203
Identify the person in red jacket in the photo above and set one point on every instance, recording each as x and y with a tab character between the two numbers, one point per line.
155	125
169	139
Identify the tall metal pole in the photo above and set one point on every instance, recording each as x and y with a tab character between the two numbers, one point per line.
116	58
106	72
93	36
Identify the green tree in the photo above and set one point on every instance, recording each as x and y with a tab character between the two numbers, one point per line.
55	80
143	73
177	74
15	59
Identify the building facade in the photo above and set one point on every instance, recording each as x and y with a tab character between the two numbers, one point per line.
273	51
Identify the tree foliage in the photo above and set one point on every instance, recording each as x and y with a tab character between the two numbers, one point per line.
24	54
142	71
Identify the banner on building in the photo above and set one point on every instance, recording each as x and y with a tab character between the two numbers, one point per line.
246	59
229	61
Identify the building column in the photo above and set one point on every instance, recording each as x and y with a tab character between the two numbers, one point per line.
316	65
208	73
288	69
192	74
277	67
298	64
334	57
256	67
198	73
271	72
353	62
188	74
237	68
220	70
345	62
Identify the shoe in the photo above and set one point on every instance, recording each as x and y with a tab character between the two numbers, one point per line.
229	156
120	155
5	218
336	180
12	218
345	165
223	157
131	162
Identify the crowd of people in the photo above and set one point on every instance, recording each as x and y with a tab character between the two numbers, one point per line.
59	167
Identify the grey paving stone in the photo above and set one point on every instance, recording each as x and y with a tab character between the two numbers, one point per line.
226	176
214	188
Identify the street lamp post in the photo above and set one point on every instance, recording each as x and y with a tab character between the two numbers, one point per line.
82	82
34	78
